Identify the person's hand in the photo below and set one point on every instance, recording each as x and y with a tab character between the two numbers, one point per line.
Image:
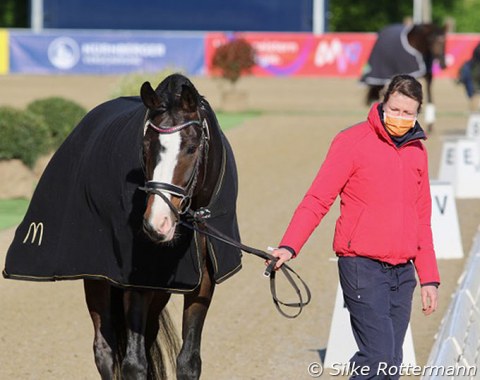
283	256
429	299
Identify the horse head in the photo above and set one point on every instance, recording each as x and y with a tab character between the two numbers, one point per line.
430	40
175	137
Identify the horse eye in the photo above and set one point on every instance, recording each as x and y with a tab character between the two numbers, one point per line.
191	149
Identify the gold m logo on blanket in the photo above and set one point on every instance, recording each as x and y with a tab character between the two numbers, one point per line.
34	228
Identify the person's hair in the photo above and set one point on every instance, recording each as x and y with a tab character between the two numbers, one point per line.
405	85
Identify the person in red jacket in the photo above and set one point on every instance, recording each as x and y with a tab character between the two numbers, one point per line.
379	168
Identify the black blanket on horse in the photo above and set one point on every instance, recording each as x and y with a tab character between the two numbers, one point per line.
391	55
85	217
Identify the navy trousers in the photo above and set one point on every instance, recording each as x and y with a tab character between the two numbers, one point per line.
378	297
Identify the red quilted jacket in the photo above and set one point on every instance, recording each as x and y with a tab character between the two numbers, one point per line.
385	199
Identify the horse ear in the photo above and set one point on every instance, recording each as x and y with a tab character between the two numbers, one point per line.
449	26
188	99
149	96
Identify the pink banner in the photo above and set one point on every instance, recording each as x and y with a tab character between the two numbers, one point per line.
458	50
330	54
303	54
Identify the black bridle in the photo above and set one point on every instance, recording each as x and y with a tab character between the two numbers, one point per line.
194	219
184	193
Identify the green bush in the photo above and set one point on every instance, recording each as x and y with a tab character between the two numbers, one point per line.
129	85
60	115
22	135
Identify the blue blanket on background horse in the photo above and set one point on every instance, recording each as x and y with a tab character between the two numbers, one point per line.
85	217
391	55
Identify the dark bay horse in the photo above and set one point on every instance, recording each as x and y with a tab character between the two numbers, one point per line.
410	50
123	205
182	152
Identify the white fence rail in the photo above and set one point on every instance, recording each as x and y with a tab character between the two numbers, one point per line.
456	351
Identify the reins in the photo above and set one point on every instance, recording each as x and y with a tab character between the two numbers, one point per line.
198	217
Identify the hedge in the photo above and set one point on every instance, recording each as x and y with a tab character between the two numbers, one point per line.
23	136
40	129
60	115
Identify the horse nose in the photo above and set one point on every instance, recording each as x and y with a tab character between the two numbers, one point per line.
160	232
165	225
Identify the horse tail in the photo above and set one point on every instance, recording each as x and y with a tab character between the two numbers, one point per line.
164	350
162	354
373	94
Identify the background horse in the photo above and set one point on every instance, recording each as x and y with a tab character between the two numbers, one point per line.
401	49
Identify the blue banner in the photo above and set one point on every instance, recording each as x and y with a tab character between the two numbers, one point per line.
207	15
105	52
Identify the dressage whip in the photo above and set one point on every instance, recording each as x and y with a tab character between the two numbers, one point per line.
212	232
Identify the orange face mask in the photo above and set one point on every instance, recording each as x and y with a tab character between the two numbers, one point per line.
398	126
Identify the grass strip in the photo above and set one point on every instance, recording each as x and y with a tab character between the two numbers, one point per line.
12	212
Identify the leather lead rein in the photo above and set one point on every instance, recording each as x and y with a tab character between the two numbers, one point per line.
269	272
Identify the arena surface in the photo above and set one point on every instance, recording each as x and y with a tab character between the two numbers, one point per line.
45	330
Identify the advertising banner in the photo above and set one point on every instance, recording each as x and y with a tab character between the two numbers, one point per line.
277	54
303	54
4	56
105	52
330	54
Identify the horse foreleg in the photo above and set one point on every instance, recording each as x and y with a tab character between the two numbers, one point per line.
136	304
429	108
428	82
195	309
98	298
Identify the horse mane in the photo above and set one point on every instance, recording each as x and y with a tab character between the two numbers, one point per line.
209	113
170	88
422	37
427	29
432	28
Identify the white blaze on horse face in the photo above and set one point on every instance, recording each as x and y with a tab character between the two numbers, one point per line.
161	217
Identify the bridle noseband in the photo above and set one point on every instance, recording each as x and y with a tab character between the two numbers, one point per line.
184	193
165	130
159	188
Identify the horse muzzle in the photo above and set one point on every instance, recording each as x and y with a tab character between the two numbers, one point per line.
161	234
161	227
